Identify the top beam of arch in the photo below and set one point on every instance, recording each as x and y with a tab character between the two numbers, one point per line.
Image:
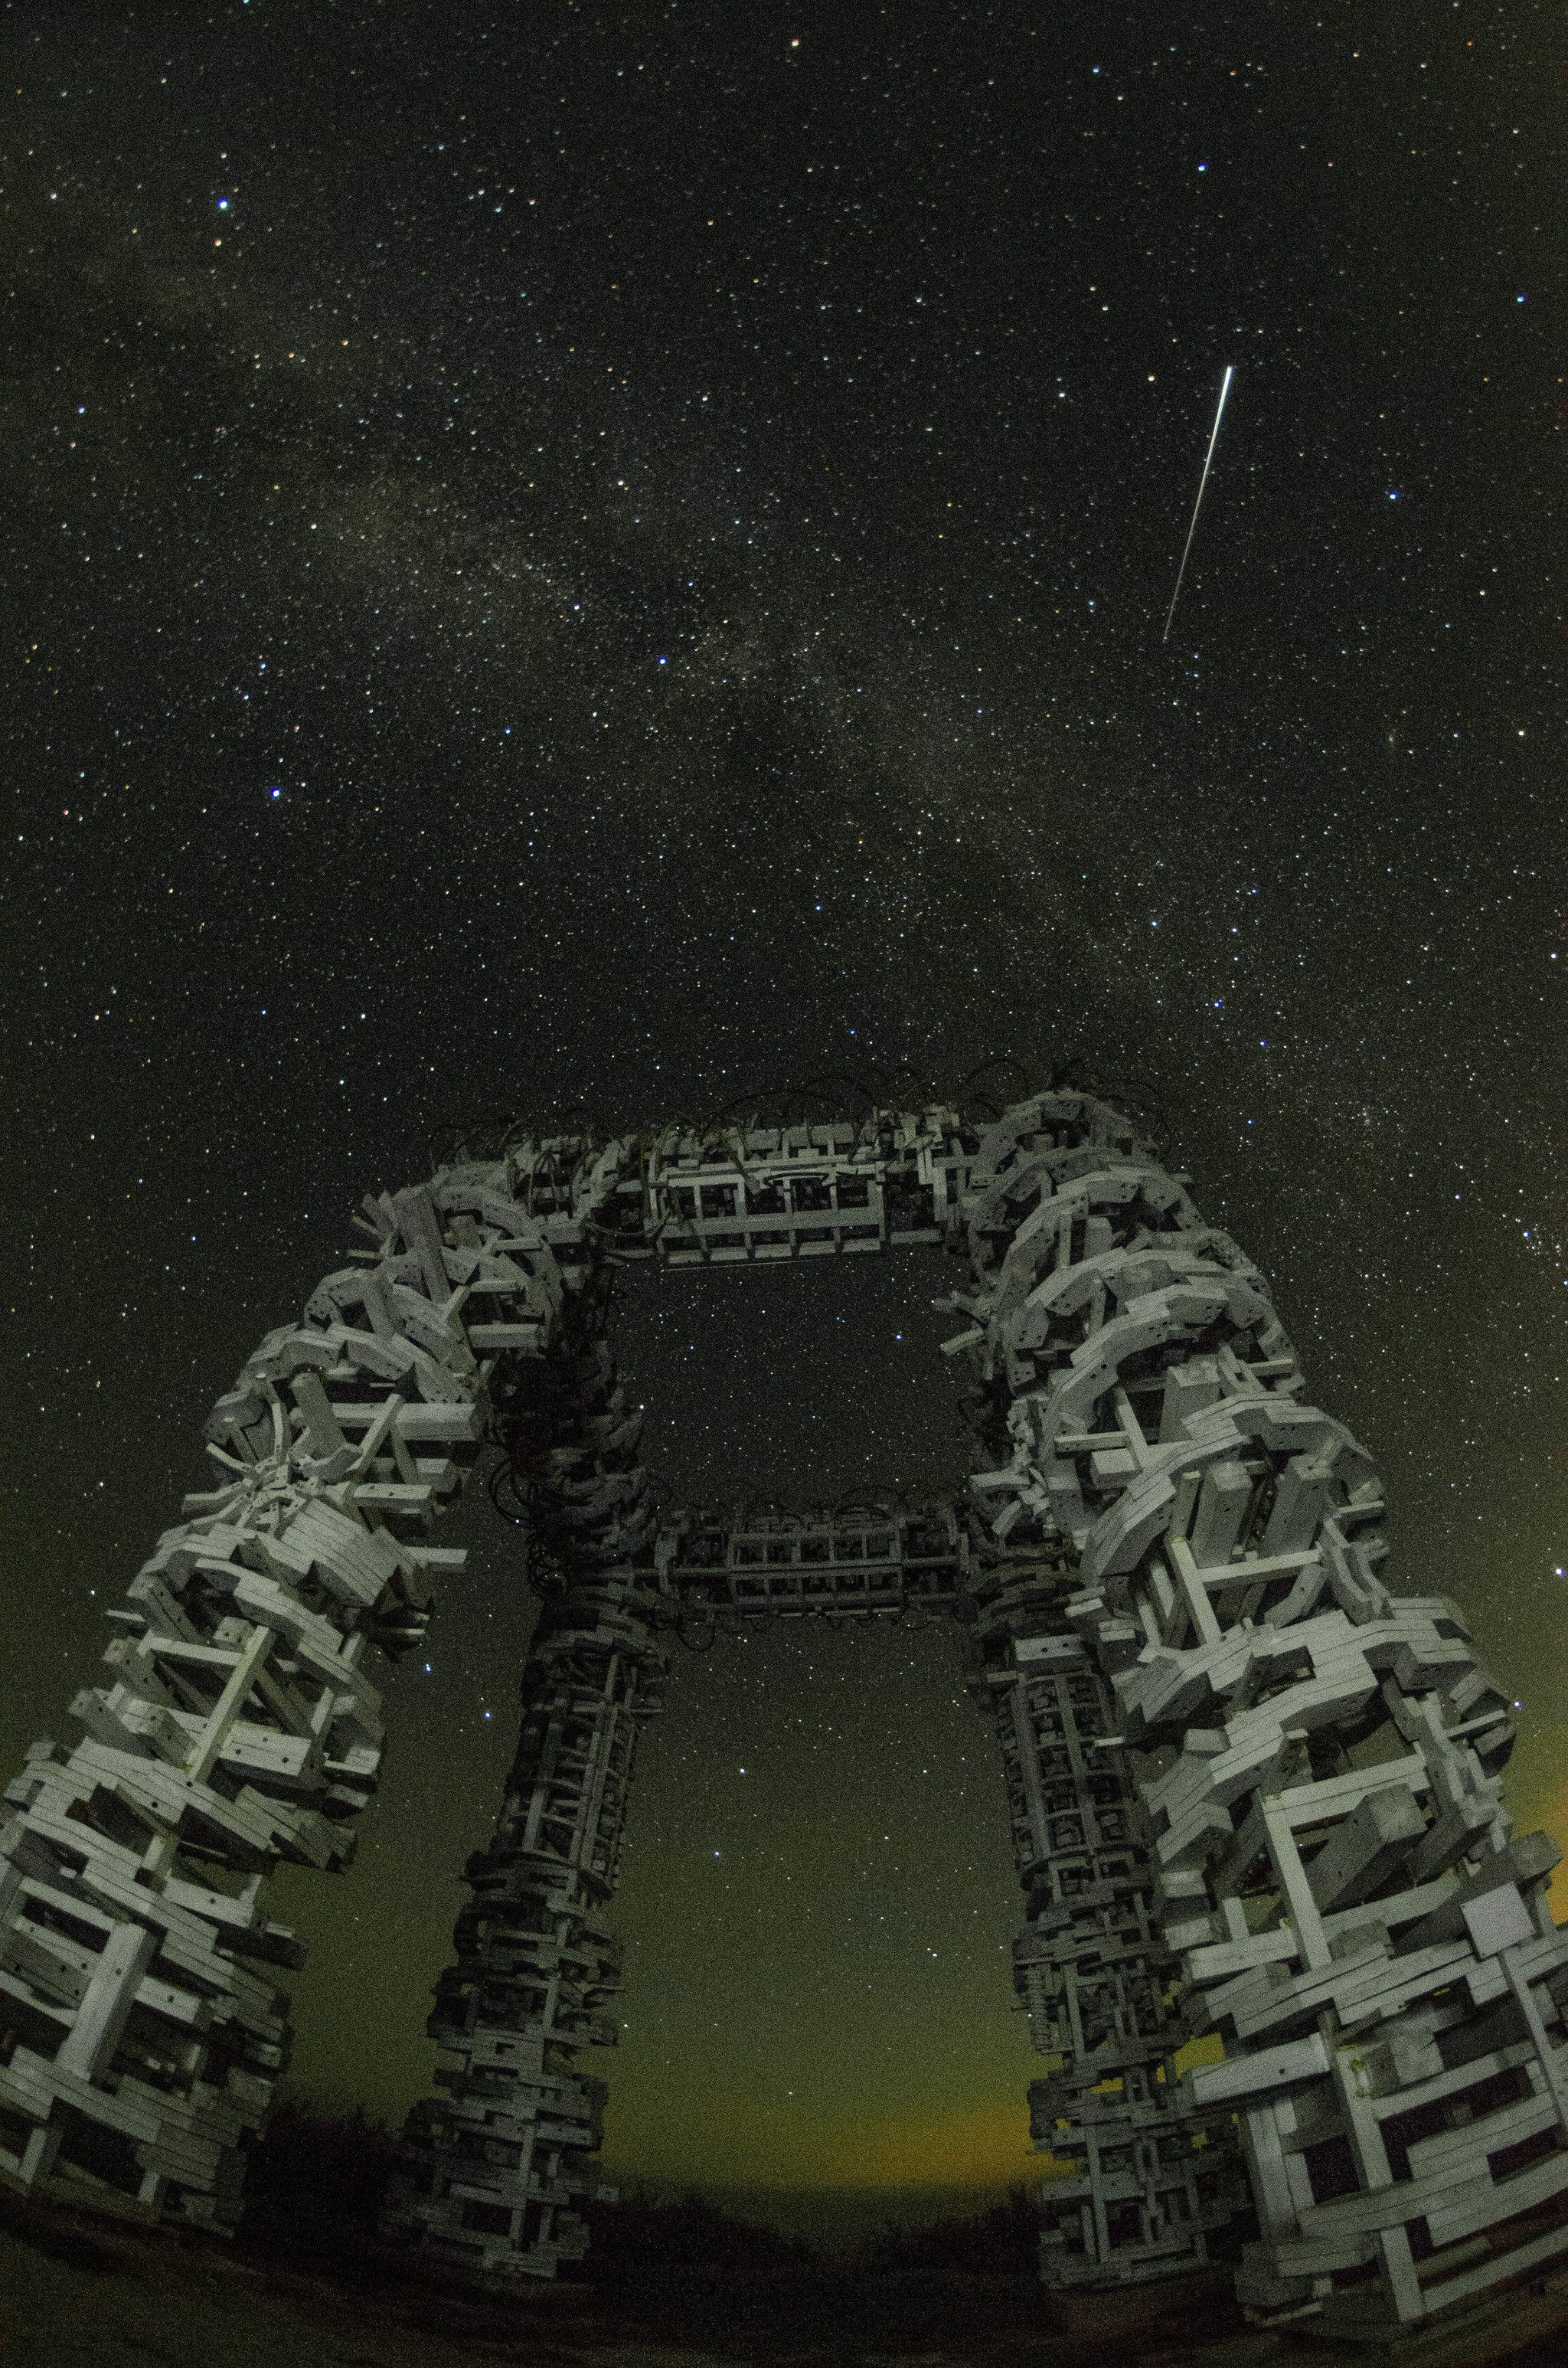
749	1195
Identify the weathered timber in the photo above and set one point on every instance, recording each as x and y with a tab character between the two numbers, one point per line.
1252	1793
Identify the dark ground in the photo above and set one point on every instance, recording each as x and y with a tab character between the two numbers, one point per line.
670	2285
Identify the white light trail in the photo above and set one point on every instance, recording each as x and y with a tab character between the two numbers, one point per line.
1214	439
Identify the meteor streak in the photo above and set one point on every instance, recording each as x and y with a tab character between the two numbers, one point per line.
1208	457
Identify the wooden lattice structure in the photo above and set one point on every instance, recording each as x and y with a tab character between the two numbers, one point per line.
1251	1791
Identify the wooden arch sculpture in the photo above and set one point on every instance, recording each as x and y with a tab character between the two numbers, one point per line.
1250	1790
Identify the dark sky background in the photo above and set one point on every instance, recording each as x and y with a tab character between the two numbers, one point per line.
619	556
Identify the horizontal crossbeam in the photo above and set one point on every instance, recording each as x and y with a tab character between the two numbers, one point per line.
850	1563
757	1195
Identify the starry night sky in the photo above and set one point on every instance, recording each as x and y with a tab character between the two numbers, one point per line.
617	557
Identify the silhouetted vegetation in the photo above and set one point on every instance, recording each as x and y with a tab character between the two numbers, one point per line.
1001	2241
313	2188
691	2273
639	2237
684	2269
686	2276
315	2183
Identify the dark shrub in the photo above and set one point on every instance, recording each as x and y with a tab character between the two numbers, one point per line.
1003	2240
314	2187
